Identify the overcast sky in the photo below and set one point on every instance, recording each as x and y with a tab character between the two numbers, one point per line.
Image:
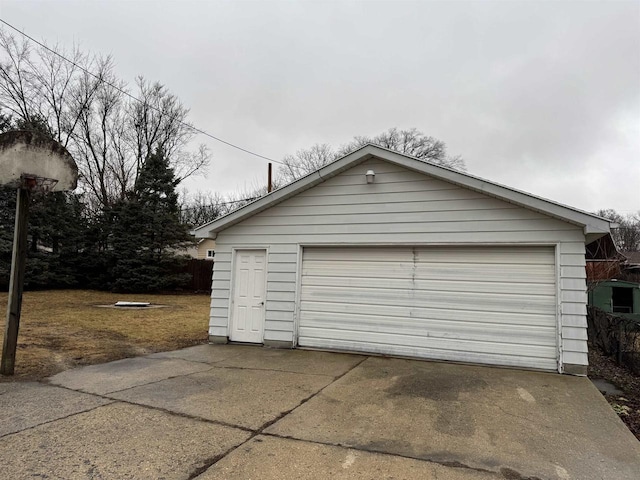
539	96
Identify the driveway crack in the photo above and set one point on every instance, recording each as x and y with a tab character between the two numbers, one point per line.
213	460
31	427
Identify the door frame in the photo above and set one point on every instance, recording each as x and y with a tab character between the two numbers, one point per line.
232	287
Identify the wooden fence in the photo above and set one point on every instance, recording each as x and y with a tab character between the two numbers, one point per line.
201	272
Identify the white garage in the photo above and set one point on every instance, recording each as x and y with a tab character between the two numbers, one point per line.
493	305
383	253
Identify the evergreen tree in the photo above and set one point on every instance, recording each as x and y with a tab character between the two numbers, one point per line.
147	231
55	231
7	219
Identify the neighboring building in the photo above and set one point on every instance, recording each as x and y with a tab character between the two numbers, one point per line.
616	296
603	259
384	253
189	249
206	249
632	264
604	262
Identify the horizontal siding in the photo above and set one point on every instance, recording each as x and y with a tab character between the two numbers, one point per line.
220	290
579	321
279	315
278	336
393	227
444	206
401	208
576	358
573	293
500	215
278	325
217	330
274	237
574	333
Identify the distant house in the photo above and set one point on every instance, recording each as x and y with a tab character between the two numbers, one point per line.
384	253
206	249
632	263
603	260
616	296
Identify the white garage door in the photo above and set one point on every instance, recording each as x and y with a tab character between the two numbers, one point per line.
493	305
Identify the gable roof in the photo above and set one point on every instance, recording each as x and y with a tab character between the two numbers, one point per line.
593	225
633	258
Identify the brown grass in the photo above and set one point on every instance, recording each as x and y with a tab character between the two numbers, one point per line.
64	328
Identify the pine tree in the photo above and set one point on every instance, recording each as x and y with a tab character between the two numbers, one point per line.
147	232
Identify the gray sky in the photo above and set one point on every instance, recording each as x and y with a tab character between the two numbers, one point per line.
539	96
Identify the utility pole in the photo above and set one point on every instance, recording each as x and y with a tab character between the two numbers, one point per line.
269	183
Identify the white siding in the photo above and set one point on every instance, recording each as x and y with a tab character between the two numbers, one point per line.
402	207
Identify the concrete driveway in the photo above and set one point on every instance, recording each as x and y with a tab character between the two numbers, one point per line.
237	412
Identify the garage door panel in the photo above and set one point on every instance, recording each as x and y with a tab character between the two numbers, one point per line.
481	302
487	304
468	331
437	271
431	285
491	319
432	343
393	254
422	352
485	255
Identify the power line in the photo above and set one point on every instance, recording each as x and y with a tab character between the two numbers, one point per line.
100	79
221	203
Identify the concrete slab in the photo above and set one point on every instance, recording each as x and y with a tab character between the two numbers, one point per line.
248	398
606	388
299	361
122	374
116	441
516	423
203	353
25	405
269	458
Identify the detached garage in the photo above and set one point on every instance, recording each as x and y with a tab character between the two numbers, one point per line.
383	253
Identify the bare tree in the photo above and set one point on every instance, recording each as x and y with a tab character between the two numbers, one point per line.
627	235
109	132
409	142
306	161
200	208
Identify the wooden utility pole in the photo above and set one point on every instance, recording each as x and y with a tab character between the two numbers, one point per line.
269	183
16	283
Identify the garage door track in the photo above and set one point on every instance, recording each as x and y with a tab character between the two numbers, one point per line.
239	412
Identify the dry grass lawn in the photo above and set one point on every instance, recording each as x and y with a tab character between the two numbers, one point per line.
64	328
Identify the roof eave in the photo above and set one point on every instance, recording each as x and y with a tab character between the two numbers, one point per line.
594	226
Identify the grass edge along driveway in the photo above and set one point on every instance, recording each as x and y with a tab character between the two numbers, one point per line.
61	329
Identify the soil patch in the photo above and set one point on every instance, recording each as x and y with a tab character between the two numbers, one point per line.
627	404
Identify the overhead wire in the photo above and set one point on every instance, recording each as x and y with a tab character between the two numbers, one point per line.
133	97
221	203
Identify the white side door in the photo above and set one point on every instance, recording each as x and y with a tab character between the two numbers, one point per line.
249	288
